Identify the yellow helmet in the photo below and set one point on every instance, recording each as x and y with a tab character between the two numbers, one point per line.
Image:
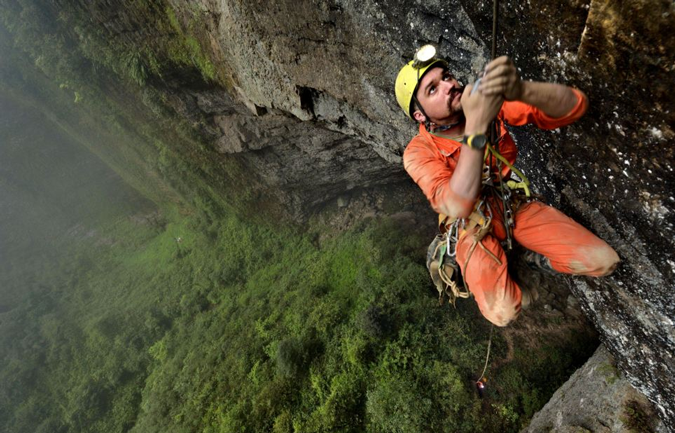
411	74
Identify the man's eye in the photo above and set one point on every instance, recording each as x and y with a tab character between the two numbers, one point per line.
432	90
447	77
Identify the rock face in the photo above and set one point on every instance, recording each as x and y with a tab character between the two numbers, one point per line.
597	398
317	78
301	92
609	170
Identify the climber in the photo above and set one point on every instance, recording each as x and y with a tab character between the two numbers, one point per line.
464	176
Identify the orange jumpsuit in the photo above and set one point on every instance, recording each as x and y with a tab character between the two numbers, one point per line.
430	161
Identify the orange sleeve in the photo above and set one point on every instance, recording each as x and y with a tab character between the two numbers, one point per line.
428	168
518	113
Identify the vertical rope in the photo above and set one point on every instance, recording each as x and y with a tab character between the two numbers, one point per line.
494	129
492	327
493	140
495	7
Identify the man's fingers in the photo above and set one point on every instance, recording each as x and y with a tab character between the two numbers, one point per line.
497	90
500	82
503	60
503	70
499	79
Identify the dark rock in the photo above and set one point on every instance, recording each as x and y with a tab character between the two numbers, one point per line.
597	398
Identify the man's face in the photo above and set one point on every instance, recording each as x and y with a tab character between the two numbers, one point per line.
439	94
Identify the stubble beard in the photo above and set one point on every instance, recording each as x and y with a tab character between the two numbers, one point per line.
456	113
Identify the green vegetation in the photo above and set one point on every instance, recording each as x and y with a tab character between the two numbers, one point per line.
201	321
609	371
68	58
245	328
70	44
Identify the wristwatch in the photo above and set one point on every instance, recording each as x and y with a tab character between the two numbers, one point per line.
475	141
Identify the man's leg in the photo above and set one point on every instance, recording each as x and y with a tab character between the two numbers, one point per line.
570	247
497	295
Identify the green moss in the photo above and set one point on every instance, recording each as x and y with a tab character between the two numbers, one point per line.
186	49
173	19
57	40
609	372
149	147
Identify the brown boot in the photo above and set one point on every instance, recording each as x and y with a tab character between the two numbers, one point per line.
529	297
538	262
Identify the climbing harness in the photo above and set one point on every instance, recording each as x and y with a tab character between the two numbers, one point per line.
444	269
441	256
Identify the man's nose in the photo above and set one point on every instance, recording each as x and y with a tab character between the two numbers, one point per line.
449	85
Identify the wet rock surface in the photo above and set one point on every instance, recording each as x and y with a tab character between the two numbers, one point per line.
613	170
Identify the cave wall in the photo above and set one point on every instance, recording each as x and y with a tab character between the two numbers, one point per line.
301	94
614	169
311	83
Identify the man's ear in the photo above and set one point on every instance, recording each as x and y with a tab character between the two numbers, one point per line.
419	117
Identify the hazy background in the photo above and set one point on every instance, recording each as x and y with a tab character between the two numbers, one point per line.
53	193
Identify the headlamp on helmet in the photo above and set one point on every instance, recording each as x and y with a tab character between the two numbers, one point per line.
409	76
424	56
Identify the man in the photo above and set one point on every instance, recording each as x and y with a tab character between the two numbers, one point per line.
449	161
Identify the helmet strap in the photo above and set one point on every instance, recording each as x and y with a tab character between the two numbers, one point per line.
427	122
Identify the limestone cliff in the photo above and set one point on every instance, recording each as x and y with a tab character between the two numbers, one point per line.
300	95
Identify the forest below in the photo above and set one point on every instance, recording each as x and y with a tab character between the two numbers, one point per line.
245	328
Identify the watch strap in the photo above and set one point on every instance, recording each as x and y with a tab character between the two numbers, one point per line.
475	141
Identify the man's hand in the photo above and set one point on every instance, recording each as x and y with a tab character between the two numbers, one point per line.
465	183
501	77
479	109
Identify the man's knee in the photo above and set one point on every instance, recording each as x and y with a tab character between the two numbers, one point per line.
599	262
609	261
503	322
501	313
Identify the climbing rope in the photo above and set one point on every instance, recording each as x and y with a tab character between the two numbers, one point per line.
480	383
447	273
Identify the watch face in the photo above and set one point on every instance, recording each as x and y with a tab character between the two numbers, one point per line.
478	141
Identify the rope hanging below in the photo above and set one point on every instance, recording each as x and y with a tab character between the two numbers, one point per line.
480	383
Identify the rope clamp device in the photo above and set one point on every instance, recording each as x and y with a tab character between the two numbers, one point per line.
452	239
476	85
480	387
